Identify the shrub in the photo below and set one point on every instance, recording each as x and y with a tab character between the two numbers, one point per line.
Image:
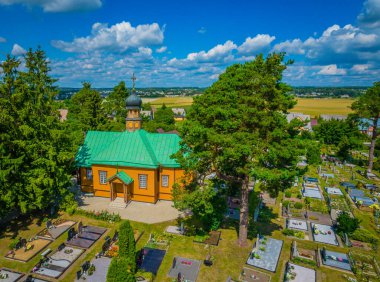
298	206
285	203
13	244
346	223
364	235
288	194
121	269
299	234
288	232
305	261
70	210
291	232
299	196
102	215
127	245
148	276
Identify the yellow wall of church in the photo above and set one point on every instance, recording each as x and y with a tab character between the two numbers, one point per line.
151	194
86	184
138	194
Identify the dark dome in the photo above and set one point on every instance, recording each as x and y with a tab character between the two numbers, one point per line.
133	101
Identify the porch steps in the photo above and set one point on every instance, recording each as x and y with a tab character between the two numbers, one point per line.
118	203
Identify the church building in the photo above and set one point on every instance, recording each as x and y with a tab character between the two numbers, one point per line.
133	165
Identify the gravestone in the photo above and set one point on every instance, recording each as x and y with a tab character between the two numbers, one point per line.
80	227
295	252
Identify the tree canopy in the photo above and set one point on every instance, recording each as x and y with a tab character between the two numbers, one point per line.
163	118
238	129
368	106
36	149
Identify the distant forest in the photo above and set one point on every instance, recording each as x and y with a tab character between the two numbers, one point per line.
66	92
305	92
329	92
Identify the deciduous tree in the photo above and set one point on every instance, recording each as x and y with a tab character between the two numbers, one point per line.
368	106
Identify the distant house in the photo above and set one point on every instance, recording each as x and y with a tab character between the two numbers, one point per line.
313	122
365	126
63	114
301	117
331	117
179	113
147	114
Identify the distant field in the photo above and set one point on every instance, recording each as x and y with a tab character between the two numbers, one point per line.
313	107
169	101
316	107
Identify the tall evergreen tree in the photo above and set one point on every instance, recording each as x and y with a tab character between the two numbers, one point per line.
36	155
368	106
86	111
115	102
237	129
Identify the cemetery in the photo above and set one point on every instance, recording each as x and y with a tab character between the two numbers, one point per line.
85	236
55	229
252	275
266	253
150	259
335	259
184	269
297	273
324	234
94	271
297	224
365	265
57	263
7	275
24	250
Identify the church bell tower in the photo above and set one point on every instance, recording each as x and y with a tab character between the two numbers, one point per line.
133	103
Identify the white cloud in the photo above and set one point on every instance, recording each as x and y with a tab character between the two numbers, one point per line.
292	47
332	70
17	50
220	51
256	44
370	16
117	38
2	40
202	30
360	68
161	49
58	5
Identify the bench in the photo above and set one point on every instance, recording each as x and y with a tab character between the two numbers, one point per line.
47	251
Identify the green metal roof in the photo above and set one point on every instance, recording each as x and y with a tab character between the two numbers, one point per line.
133	149
94	143
122	176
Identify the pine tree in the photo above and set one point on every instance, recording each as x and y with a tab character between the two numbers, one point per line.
237	129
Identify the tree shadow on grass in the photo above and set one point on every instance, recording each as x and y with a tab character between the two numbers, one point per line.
12	228
264	226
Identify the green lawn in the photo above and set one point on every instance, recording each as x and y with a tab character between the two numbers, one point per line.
229	258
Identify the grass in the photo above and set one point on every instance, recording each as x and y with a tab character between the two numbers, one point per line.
313	107
229	259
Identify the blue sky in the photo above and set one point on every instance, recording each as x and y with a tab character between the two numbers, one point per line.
189	43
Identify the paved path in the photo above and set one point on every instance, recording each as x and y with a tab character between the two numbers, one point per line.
135	211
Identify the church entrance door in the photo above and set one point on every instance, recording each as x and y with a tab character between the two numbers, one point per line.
119	190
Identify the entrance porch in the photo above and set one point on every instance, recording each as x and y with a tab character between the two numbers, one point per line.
120	188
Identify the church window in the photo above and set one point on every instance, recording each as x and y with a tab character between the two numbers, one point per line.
143	181
165	181
89	173
103	177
